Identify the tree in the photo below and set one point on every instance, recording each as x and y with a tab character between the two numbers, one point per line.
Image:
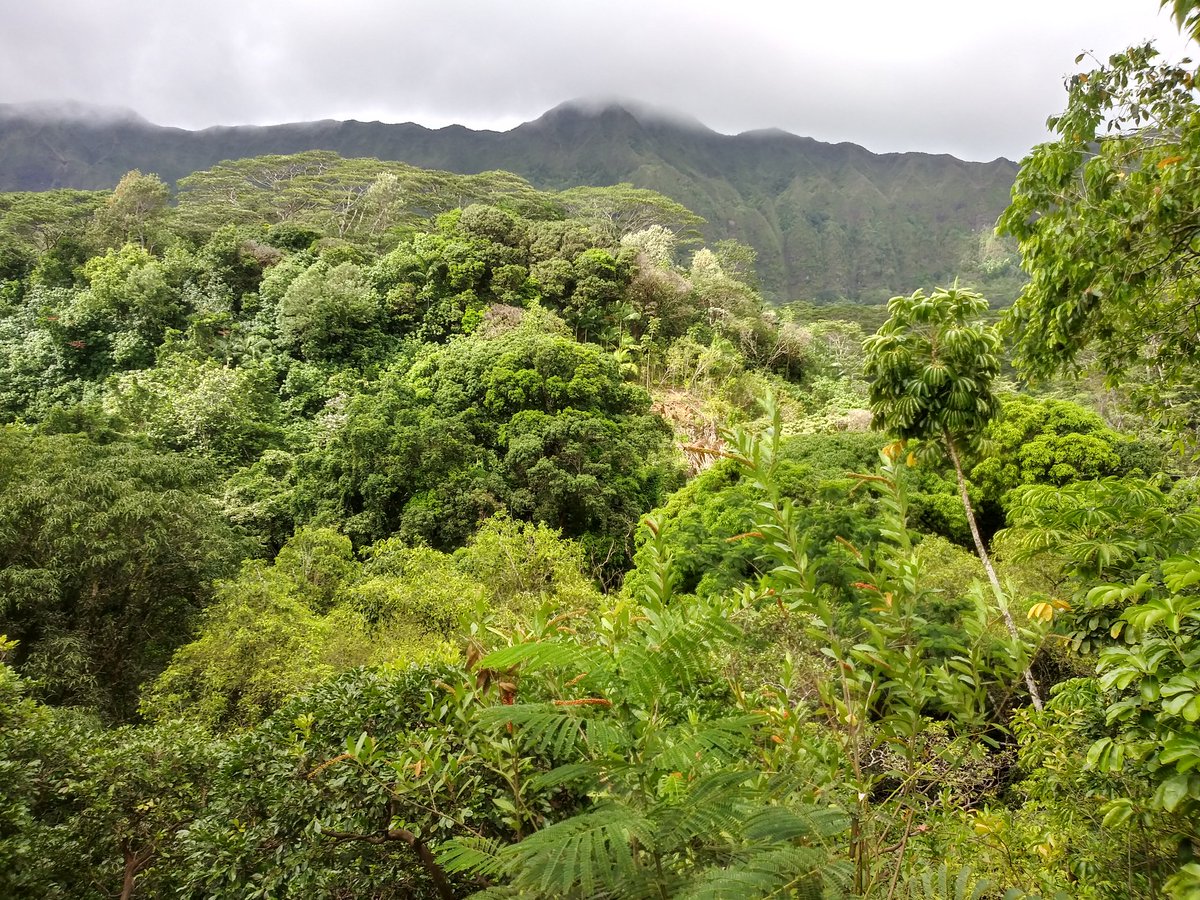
362	200
648	775
133	211
1103	216
42	220
279	629
1186	14
228	414
525	420
122	317
623	209
328	312
107	553
932	364
1057	442
296	809
135	789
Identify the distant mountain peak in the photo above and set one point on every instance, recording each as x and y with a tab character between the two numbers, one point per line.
645	114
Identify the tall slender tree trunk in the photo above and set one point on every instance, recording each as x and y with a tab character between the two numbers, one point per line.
1034	695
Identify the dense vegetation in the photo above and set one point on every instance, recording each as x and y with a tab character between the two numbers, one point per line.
369	531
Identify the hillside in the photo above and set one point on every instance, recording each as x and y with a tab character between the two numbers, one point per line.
829	221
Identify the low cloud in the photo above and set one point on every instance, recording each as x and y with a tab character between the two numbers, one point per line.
976	80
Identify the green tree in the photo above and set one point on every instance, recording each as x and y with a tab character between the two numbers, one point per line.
1128	551
492	422
932	364
278	629
1186	14
329	312
133	212
43	220
625	713
888	676
1048	441
1102	218
121	318
622	209
296	809
227	414
108	553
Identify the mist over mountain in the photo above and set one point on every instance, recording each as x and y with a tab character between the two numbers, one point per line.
829	221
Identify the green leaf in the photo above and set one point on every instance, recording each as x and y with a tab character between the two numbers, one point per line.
1172	792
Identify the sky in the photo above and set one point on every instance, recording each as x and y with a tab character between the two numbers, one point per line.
975	79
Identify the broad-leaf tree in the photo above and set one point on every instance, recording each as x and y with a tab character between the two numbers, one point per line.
1105	219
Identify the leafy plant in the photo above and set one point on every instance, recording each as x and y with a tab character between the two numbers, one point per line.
933	364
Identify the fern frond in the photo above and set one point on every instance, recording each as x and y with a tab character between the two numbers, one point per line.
570	773
801	872
672	655
605	738
552	654
726	736
592	854
785	823
944	883
711	808
546	728
477	855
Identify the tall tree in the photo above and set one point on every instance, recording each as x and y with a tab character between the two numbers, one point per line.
133	212
932	364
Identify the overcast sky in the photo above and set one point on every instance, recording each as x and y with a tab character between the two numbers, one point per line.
976	79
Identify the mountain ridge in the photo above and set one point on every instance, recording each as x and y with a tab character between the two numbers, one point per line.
829	221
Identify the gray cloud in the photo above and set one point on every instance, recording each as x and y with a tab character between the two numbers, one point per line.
968	78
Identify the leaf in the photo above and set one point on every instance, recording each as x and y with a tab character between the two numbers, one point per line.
1172	792
1117	812
477	855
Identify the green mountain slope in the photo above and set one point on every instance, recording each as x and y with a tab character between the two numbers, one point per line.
828	221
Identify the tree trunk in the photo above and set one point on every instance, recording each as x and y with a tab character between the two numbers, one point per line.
1034	695
127	882
134	863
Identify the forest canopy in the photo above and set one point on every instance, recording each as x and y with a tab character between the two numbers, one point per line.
369	531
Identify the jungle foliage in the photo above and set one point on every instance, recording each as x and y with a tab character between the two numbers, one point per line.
367	531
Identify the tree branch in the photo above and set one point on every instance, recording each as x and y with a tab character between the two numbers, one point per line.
445	890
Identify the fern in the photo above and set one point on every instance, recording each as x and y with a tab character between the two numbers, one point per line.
946	884
673	807
728	737
796	872
671	653
591	853
708	812
478	855
780	823
568	774
548	729
548	654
